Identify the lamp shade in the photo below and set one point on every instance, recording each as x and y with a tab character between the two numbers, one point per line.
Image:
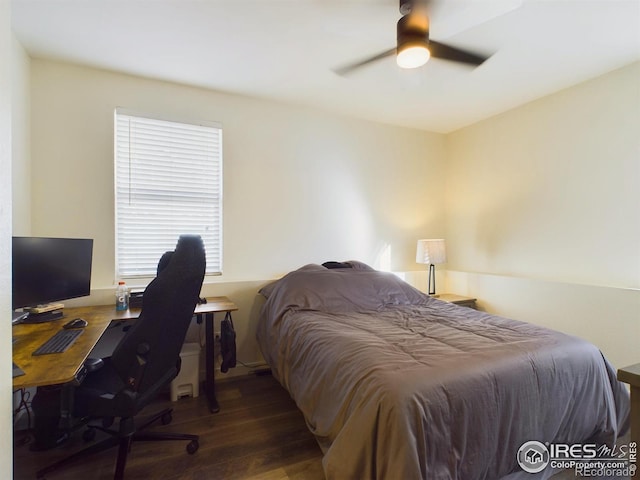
431	251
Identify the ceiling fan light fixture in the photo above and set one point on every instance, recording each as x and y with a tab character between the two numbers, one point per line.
413	46
413	40
412	54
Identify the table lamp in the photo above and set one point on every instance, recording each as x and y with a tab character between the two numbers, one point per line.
432	252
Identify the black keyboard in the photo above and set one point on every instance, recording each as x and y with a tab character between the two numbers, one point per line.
59	342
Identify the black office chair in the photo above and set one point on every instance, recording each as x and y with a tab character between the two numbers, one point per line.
146	359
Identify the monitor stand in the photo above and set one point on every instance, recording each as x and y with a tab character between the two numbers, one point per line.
44	313
18	317
44	317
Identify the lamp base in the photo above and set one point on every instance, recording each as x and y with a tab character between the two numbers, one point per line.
432	279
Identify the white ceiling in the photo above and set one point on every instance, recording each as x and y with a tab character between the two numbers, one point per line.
286	49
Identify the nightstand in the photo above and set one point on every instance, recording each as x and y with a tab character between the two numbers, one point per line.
631	375
457	299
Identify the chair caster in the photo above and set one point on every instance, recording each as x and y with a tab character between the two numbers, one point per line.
192	447
166	419
89	434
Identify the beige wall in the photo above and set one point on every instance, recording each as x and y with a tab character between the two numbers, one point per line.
542	212
551	190
6	39
21	141
300	186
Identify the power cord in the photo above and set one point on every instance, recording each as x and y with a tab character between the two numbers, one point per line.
24	404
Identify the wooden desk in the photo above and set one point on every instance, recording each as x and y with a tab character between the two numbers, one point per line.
631	375
57	369
60	368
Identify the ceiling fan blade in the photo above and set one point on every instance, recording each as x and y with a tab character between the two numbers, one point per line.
349	68
447	52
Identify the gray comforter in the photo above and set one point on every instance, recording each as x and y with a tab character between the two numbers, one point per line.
398	385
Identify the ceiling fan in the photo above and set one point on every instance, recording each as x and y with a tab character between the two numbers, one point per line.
414	47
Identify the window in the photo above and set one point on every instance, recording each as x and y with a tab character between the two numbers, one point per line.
168	182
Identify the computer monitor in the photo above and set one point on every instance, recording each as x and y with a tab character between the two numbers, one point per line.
49	270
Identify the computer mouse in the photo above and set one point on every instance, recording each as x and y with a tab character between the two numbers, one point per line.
76	323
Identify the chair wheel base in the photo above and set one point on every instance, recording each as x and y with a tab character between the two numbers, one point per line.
166	419
192	447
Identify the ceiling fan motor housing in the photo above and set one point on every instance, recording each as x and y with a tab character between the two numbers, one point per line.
413	29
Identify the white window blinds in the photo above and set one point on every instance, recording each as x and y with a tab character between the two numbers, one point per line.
168	182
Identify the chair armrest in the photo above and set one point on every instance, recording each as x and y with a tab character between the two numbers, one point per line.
93	364
89	365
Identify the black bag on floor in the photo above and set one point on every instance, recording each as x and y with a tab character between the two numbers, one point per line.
227	343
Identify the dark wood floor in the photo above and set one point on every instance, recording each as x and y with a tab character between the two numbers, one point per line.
258	434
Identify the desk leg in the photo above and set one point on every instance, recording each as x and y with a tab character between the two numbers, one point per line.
47	406
209	382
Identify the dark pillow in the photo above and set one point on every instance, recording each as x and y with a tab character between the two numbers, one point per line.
336	265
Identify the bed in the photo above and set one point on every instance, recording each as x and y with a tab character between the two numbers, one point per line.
395	384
